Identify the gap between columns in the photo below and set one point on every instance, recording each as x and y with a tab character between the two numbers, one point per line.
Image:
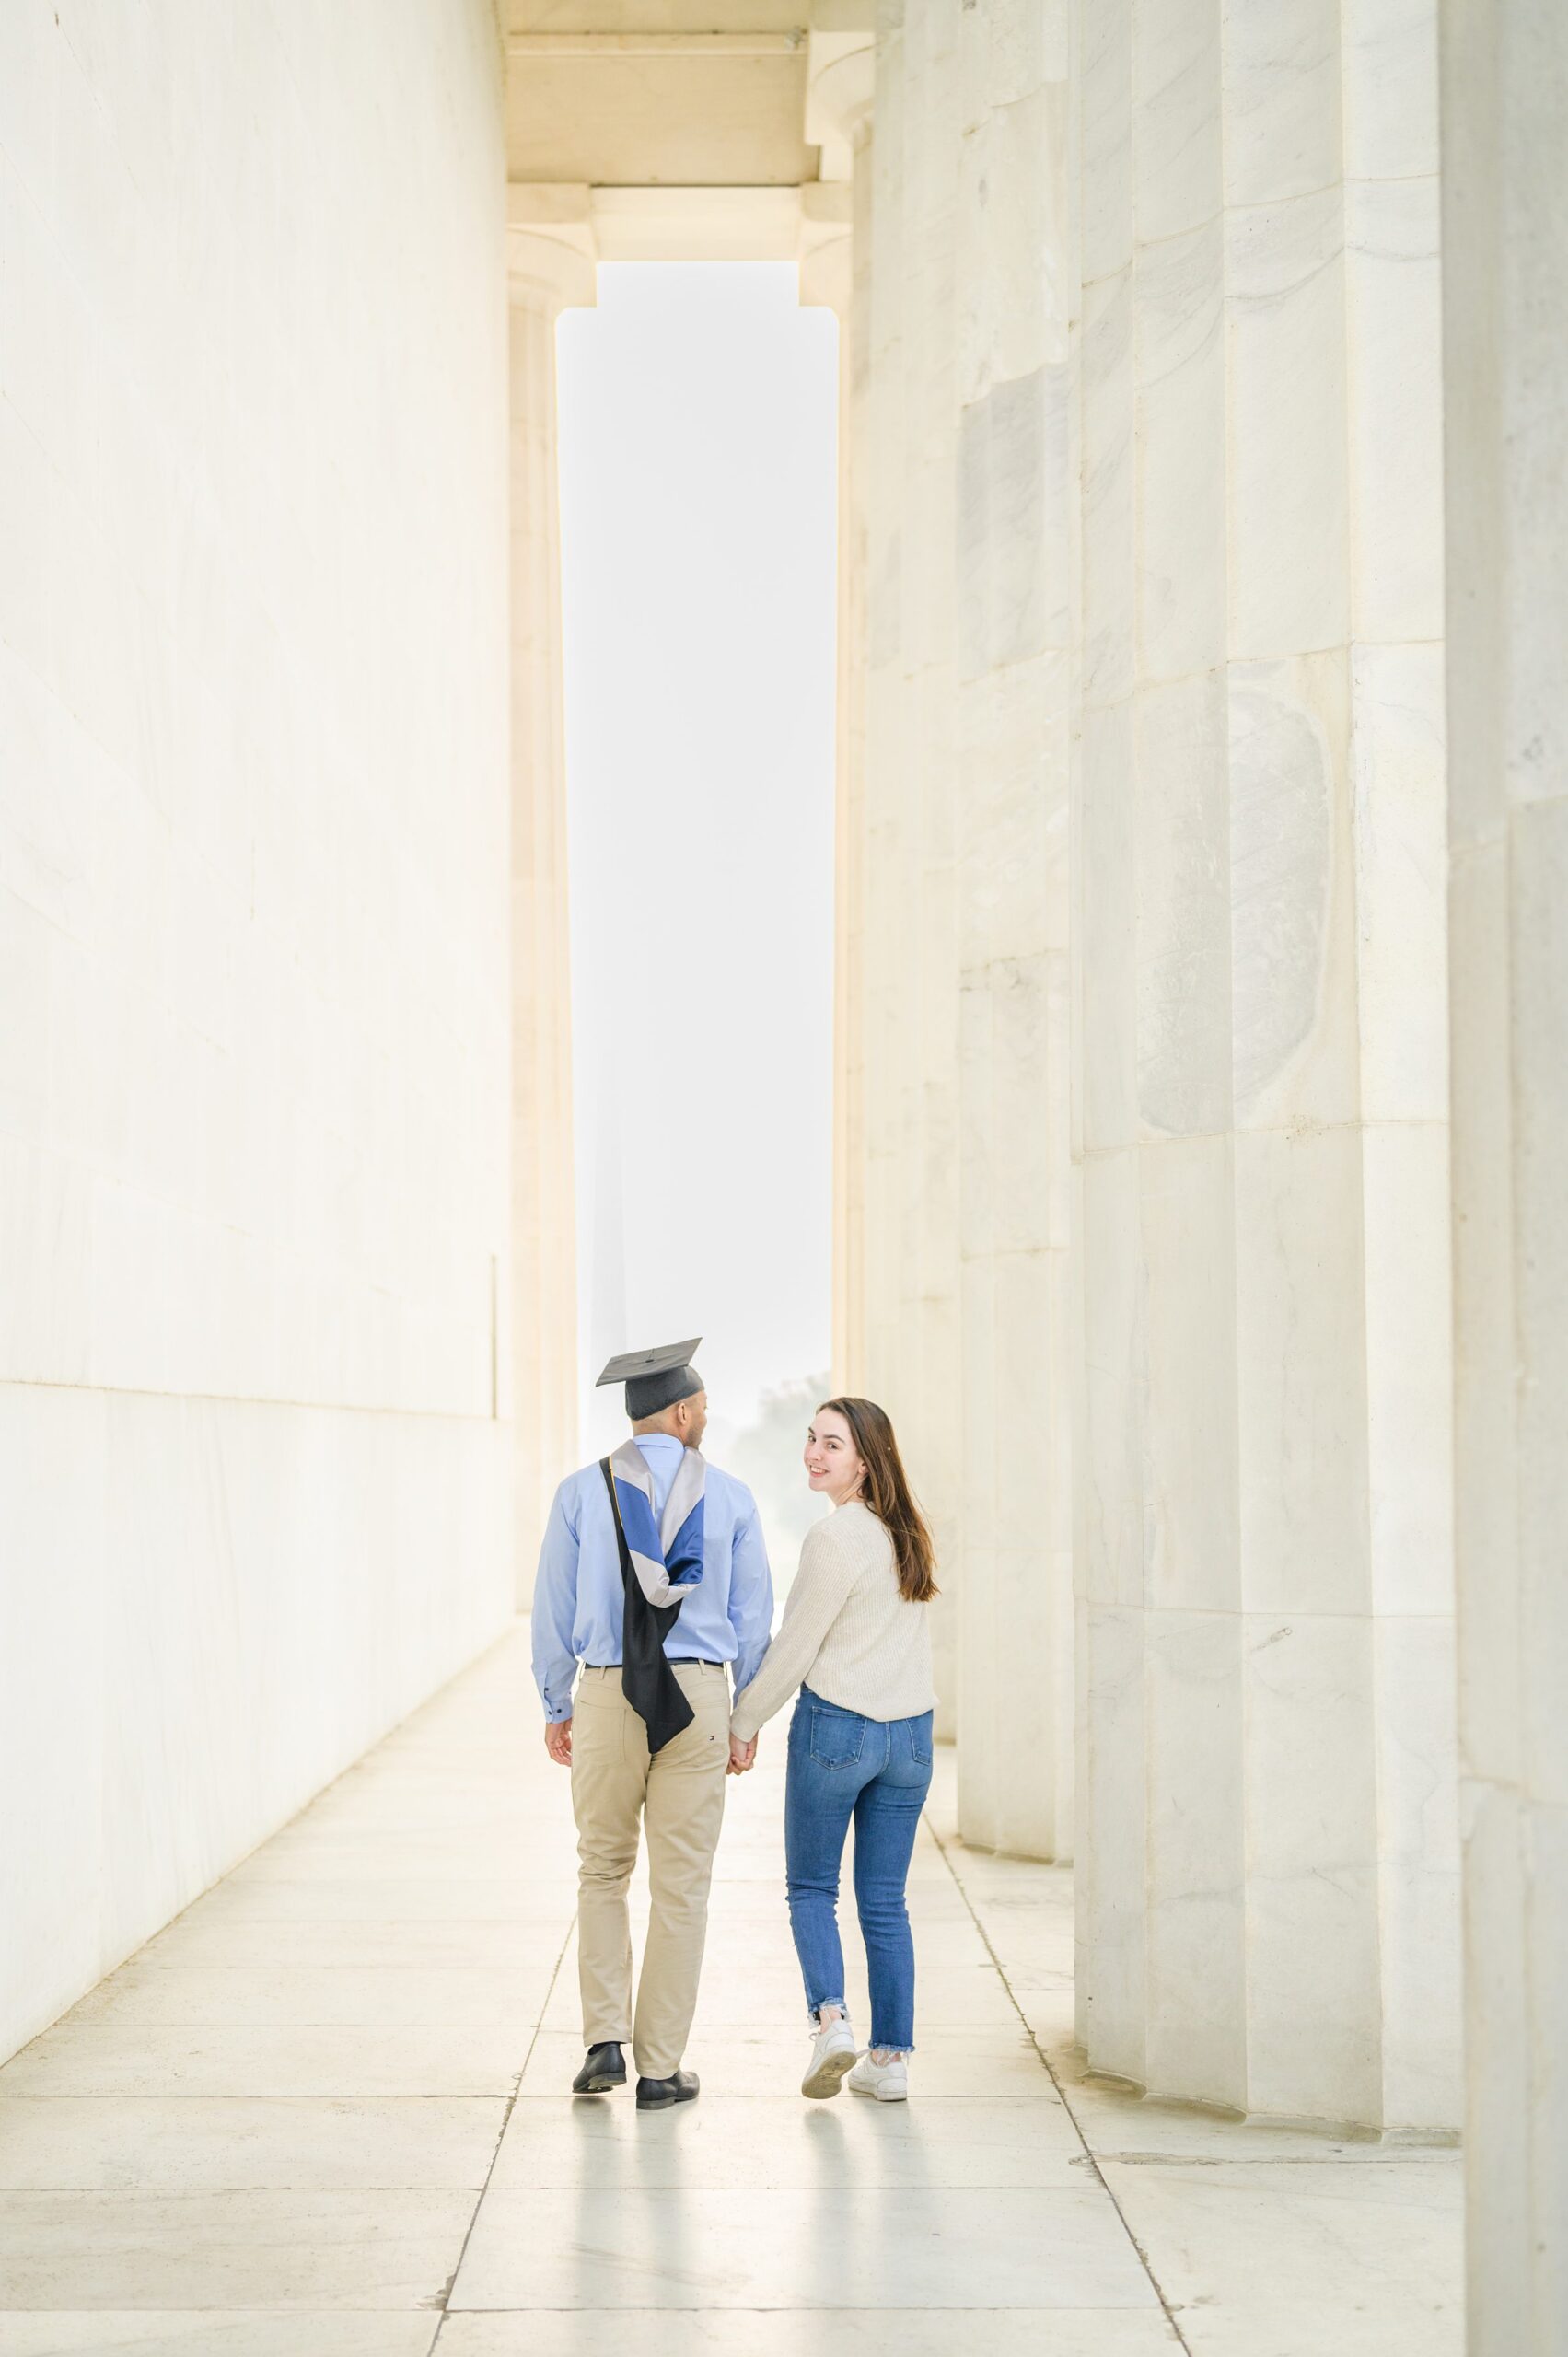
1089	2156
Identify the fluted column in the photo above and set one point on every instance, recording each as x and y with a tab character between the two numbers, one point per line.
910	1095
956	1133
549	266
835	270
1267	1883
1014	607
1506	308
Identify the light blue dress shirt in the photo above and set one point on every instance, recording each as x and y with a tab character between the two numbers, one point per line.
578	1600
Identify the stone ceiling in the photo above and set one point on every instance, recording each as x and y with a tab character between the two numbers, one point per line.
668	93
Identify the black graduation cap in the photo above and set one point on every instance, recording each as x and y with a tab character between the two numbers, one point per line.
655	1379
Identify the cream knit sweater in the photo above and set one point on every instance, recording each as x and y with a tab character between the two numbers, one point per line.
846	1632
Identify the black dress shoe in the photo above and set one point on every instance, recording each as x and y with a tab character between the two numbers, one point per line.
658	2094
604	2069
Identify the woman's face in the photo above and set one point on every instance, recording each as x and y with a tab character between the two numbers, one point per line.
832	1467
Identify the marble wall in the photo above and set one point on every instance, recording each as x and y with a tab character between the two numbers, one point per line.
1505	304
253	929
1268	1880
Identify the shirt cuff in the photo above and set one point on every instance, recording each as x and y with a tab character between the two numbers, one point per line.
555	1711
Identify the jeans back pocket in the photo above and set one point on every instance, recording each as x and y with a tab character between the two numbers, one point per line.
836	1735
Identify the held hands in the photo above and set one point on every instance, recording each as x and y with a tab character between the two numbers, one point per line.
558	1742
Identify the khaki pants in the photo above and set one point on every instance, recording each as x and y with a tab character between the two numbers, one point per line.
677	1795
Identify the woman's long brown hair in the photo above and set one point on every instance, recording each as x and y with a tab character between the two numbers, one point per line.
887	1492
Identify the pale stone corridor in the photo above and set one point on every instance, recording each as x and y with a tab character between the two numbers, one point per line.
322	2115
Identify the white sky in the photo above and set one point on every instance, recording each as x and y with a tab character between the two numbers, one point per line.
698	421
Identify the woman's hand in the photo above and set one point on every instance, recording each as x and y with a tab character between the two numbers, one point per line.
741	1756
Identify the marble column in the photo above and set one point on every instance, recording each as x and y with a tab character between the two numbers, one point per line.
848	994
909	1234
1014	617
1505	307
954	865
835	270
551	265
1267	1846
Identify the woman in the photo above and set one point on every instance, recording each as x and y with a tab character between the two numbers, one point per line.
854	1639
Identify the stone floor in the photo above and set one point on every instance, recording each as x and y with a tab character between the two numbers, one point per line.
323	2115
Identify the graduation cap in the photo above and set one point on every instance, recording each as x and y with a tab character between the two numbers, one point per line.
655	1379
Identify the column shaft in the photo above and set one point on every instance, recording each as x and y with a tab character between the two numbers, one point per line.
849	1095
956	869
1505	306
1014	608
1267	1879
544	1304
909	1253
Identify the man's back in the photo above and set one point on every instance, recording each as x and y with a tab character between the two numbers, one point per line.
653	1585
578	1597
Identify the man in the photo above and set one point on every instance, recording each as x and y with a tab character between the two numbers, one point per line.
654	1576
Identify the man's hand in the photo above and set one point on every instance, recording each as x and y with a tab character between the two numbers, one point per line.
741	1756
558	1741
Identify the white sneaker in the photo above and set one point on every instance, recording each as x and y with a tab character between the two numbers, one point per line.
834	2051
888	2082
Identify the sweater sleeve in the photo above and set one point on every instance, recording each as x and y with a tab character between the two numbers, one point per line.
820	1591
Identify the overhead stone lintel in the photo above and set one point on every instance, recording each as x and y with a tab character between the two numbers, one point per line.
557	231
697	224
551	246
827	223
522	47
840	79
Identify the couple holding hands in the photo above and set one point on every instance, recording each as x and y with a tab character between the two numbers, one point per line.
653	1591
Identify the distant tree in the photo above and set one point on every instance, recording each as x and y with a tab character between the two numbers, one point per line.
766	1456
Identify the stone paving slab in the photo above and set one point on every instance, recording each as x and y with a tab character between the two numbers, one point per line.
386	1995
948	2062
462	1943
729	2332
253	2249
183	2143
211	2332
833	2246
139	2058
762	2143
1362	2258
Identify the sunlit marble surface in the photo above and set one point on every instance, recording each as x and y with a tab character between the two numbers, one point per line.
1266	1813
254	931
324	2115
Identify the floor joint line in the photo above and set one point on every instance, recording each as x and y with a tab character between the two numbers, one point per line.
1089	2155
512	2101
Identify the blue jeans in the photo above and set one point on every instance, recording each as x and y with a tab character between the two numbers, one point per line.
876	1771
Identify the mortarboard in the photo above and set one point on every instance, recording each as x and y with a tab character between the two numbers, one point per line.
655	1379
